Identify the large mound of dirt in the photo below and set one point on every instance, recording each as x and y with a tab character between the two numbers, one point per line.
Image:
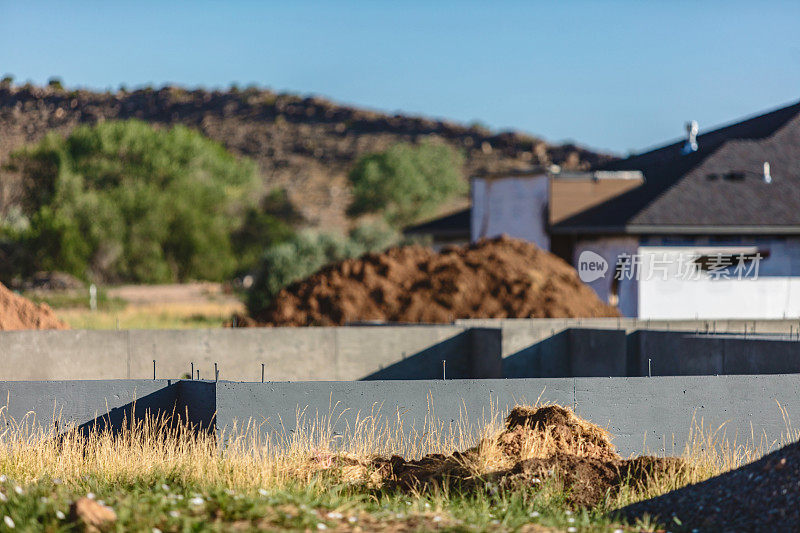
537	445
761	496
494	278
17	312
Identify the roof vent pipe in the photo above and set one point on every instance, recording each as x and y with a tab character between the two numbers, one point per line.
767	176
691	137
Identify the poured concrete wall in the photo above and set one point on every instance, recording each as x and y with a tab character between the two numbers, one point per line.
519	333
346	353
58	404
472	348
573	352
644	414
676	354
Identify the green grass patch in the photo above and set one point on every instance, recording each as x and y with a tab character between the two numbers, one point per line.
168	504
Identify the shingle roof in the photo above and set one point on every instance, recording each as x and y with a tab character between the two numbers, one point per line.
719	188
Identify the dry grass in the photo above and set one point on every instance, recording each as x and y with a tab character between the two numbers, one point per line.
710	451
251	460
153	316
154	445
152	449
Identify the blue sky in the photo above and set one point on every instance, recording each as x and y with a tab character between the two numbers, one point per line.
612	75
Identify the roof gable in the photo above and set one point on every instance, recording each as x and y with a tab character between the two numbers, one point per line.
680	192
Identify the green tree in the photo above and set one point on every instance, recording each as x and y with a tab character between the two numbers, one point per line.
124	201
406	181
263	226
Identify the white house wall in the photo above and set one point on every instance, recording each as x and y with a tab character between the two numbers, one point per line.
773	293
515	206
610	249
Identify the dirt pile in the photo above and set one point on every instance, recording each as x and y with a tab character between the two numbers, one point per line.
761	496
494	278
17	312
538	445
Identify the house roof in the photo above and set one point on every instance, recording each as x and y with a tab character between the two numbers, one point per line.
719	188
455	225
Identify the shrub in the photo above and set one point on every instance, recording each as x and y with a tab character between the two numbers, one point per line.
305	253
406	181
55	83
262	227
124	201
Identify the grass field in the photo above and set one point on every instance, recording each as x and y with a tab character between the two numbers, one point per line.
152	316
160	477
184	306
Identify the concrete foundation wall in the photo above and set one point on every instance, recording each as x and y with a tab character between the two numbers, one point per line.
653	415
58	404
679	354
644	414
472	349
347	353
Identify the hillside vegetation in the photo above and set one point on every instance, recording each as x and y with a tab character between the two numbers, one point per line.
305	145
159	186
124	201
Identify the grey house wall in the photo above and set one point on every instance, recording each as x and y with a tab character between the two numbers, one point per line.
644	414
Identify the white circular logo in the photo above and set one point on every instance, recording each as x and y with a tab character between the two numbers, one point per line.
591	266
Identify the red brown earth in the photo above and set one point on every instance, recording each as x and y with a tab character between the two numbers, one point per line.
17	312
537	445
305	145
493	278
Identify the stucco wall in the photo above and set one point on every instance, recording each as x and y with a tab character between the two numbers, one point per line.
515	206
611	249
766	288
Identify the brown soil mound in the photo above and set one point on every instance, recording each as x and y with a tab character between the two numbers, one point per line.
537	444
564	431
17	312
494	278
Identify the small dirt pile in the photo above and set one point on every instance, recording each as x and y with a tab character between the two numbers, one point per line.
494	278
17	312
537	444
761	496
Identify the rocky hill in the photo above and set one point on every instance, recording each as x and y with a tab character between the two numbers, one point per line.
305	145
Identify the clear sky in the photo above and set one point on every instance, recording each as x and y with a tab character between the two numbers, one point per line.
613	75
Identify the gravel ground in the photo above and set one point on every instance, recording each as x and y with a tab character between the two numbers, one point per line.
761	496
